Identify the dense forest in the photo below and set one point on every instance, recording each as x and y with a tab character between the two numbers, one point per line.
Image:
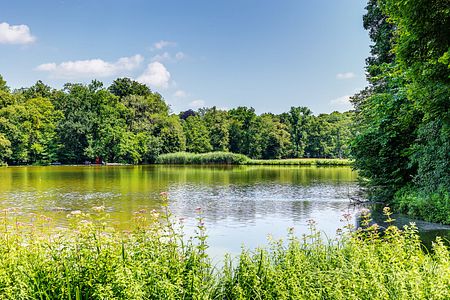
128	123
403	116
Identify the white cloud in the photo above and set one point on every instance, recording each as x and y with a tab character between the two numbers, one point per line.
341	103
15	34
180	94
347	75
91	68
163	44
156	75
47	67
167	57
197	103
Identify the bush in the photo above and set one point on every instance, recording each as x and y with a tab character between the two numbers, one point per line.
429	206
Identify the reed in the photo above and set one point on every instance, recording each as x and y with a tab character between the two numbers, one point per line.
186	158
302	162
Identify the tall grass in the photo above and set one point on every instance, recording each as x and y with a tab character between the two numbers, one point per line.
154	260
186	158
301	162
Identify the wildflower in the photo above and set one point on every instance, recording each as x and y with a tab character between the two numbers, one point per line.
347	217
198	209
365	211
311	222
98	208
164	194
75	212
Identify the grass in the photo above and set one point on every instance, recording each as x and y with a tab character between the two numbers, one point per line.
93	259
185	158
301	162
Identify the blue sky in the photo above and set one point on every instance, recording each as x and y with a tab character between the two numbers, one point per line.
270	55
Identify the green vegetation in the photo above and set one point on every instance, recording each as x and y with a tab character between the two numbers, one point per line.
403	117
301	162
128	123
185	158
154	260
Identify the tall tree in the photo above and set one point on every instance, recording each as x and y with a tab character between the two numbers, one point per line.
197	135
123	87
217	123
299	120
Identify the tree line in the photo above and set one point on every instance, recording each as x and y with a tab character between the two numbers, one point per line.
128	123
402	143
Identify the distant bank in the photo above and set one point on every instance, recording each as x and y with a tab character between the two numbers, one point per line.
185	158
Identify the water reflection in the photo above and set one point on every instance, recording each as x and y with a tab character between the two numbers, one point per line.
241	205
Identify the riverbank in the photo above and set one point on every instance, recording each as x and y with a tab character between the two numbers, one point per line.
185	158
154	259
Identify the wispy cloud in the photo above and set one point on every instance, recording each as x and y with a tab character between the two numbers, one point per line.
346	75
341	103
180	94
156	75
197	103
167	57
91	68
180	55
163	44
15	34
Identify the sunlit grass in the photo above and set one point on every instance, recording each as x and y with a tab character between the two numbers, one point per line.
185	158
94	259
302	162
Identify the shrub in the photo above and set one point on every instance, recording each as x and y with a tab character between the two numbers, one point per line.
429	206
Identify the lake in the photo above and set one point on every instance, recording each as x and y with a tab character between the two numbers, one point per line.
241	205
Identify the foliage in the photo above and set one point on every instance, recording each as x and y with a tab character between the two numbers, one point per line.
403	140
128	123
299	119
154	260
29	131
430	206
217	123
197	135
122	87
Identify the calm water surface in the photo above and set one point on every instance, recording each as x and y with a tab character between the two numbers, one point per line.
242	205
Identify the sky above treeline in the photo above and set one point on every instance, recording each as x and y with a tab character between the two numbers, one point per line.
269	55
